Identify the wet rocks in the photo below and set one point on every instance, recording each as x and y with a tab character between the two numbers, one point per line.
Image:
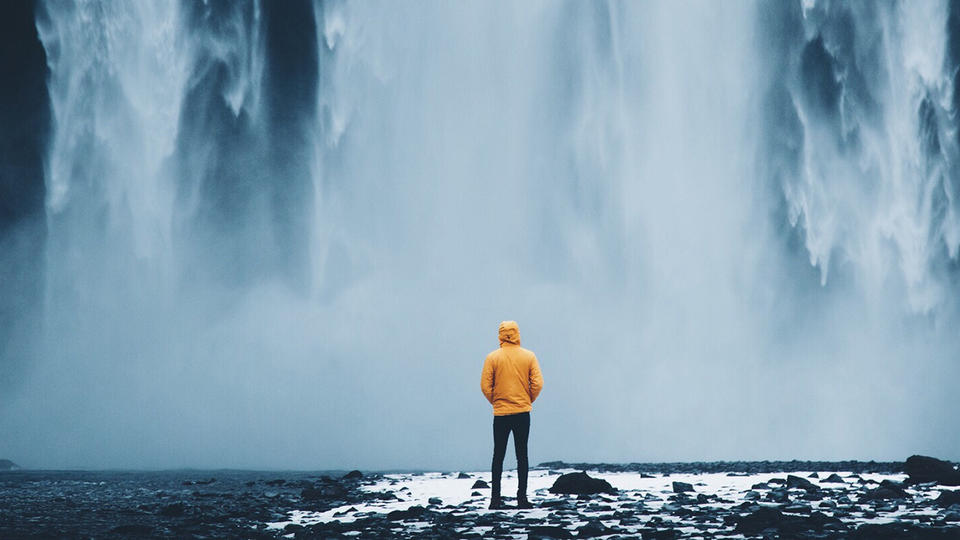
833	479
463	476
948	498
173	510
801	483
413	512
762	519
132	530
928	469
682	487
480	484
900	531
353	475
789	525
323	491
580	483
887	490
545	532
594	528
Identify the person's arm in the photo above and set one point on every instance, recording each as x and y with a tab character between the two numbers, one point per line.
536	380
486	380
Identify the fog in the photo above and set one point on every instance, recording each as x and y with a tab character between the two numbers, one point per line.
282	234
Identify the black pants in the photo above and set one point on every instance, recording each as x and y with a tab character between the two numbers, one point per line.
519	424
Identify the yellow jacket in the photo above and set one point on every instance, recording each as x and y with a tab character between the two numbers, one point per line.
511	378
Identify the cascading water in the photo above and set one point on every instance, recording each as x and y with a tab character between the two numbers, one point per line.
282	234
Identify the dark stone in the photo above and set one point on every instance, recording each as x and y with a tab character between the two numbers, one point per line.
927	469
798	508
659	534
801	483
763	518
435	501
887	490
817	71
353	475
7	465
948	497
173	510
548	531
833	479
892	485
463	476
788	525
813	475
327	491
594	528
480	484
410	513
779	495
135	529
901	531
682	487
579	483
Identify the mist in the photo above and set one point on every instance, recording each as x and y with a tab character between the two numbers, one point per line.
281	235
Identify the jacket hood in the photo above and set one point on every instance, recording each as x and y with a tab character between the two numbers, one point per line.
509	333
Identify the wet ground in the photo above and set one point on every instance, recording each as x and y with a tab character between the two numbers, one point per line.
759	500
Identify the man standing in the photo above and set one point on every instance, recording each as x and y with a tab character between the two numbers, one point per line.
511	381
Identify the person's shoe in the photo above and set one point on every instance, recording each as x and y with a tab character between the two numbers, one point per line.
523	503
495	504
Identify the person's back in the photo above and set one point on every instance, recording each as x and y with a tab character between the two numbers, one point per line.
511	381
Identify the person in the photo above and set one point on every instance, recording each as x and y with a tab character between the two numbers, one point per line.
511	381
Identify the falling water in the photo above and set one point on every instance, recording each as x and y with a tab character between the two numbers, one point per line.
282	234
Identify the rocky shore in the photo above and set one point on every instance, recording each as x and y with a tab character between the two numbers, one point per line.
856	500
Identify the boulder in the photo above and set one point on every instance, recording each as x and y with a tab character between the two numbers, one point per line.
800	483
463	476
413	512
480	484
887	490
927	469
833	479
682	487
789	526
353	475
580	483
764	518
594	528
948	498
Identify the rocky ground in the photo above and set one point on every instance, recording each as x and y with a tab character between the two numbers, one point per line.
853	500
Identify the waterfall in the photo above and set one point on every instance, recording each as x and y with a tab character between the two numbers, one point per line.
282	234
